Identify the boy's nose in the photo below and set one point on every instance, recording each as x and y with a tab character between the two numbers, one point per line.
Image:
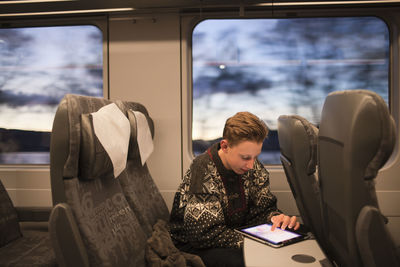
250	164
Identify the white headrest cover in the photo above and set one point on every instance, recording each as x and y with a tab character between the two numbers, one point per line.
113	130
143	135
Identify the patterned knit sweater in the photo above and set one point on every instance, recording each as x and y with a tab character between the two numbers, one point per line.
211	201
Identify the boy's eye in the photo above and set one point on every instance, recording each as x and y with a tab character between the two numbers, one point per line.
245	158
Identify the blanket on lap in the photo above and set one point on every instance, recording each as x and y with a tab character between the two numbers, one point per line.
161	251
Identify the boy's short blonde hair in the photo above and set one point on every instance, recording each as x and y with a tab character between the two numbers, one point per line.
244	126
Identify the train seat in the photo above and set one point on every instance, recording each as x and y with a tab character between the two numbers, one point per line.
356	138
298	144
92	222
108	210
19	246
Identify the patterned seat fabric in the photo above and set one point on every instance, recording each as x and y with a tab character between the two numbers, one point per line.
138	185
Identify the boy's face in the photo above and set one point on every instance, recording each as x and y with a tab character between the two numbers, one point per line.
240	157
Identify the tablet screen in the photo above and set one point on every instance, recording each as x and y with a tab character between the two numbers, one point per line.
277	238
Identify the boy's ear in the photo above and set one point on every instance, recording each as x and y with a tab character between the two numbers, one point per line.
224	144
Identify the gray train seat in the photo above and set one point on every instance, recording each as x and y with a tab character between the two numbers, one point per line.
108	210
298	143
92	222
356	138
21	246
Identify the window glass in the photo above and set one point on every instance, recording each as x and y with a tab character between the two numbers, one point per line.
38	66
274	67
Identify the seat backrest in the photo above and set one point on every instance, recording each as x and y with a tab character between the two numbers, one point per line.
86	174
356	138
298	144
139	188
9	225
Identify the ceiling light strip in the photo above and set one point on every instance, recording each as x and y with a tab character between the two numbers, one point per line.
33	1
327	3
65	12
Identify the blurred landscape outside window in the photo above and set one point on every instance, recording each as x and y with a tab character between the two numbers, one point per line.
274	67
38	66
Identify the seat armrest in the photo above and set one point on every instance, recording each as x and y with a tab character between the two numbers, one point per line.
65	237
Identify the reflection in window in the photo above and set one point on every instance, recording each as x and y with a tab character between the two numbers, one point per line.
38	66
272	67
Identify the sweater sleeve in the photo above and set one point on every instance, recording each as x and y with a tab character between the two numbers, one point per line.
203	221
262	204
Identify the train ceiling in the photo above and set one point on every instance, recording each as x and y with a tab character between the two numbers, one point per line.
17	8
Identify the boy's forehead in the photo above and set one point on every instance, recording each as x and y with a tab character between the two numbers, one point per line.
248	147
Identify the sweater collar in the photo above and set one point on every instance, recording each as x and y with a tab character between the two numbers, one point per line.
224	172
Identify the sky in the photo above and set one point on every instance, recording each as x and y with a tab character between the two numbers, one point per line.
272	67
39	65
237	65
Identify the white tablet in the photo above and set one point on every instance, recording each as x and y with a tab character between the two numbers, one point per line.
276	238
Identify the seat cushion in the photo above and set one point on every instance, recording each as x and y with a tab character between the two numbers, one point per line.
33	249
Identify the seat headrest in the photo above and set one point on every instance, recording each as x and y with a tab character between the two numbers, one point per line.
349	115
78	110
75	106
105	138
294	132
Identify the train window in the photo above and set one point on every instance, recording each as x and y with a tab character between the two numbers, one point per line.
39	65
273	67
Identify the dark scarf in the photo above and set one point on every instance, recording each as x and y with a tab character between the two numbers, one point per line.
233	184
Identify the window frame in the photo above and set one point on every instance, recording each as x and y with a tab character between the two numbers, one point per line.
101	22
190	21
